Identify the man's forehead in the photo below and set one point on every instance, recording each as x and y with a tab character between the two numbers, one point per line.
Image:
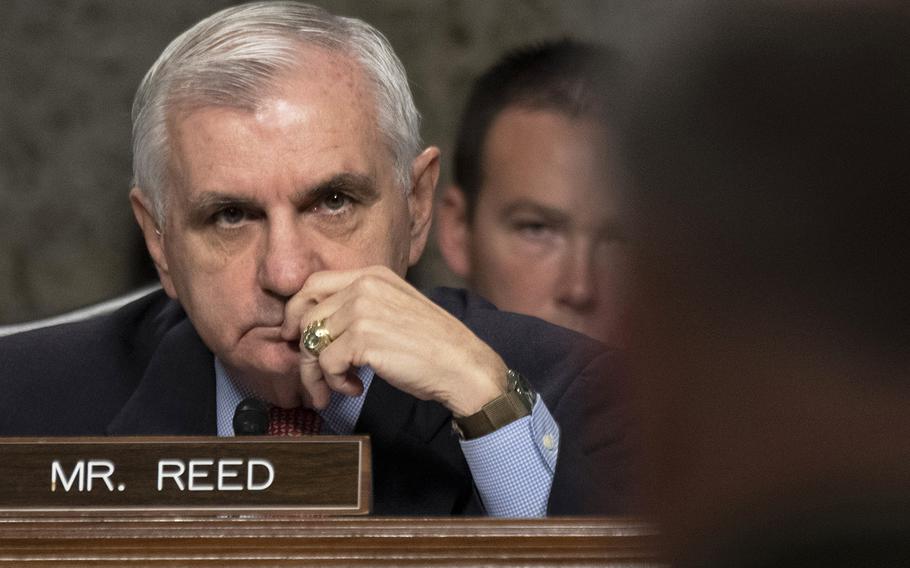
278	110
543	152
215	145
305	113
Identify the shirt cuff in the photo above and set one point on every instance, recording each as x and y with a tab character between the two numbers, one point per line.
513	466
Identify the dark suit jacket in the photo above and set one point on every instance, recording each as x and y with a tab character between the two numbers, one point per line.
143	370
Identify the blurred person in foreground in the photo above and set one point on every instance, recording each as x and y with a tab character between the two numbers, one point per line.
282	192
530	219
767	147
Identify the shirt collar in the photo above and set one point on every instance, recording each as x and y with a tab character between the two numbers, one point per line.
339	417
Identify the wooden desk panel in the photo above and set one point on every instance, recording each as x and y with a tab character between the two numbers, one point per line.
277	540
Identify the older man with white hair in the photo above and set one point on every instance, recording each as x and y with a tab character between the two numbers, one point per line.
282	193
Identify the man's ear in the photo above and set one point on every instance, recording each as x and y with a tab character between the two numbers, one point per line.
453	232
424	175
154	238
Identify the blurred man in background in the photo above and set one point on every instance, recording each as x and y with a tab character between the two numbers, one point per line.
768	152
530	220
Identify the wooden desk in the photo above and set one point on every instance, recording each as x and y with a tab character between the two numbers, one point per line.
275	540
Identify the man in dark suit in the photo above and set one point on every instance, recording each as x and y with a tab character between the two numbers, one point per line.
282	194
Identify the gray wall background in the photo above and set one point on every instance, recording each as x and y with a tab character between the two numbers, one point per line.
68	71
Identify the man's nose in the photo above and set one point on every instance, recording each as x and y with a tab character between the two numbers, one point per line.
577	286
285	260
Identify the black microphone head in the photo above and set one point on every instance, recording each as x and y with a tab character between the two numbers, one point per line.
251	417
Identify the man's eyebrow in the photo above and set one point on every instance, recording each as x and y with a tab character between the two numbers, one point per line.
550	214
609	227
208	199
202	205
359	186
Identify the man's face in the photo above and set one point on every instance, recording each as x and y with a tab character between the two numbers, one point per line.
544	240
262	199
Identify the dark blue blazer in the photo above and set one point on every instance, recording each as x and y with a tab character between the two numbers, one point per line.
143	370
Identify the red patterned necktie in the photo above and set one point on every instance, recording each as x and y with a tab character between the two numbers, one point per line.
298	421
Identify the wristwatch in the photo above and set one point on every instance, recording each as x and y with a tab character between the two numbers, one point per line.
515	403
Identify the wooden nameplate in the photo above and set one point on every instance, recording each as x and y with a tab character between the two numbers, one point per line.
318	475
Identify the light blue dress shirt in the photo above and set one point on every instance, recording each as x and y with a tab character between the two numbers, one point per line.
512	467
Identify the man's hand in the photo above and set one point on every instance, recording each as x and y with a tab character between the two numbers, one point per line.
378	319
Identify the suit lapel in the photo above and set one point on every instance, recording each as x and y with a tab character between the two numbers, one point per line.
176	395
388	412
417	462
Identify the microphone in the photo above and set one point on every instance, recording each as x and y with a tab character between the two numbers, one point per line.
251	418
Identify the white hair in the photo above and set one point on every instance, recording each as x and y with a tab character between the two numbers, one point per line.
231	59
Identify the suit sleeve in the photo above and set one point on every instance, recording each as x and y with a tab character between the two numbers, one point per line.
596	469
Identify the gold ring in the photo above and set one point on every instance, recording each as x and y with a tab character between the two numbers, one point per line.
316	337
